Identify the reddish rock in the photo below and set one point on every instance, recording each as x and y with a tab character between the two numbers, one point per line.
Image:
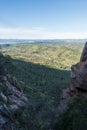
79	75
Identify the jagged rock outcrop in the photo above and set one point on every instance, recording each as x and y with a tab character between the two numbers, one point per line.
79	75
12	98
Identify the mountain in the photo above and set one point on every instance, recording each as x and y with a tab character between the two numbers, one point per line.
18	41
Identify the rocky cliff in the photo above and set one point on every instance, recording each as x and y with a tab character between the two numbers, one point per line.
12	98
78	85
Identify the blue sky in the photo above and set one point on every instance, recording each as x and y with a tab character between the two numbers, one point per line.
43	19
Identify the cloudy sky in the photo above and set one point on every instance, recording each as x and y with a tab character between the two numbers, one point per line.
43	19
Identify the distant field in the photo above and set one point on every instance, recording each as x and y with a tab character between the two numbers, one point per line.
43	69
58	56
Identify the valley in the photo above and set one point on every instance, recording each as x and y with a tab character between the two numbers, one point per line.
43	70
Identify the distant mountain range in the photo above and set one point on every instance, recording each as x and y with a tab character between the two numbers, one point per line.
18	41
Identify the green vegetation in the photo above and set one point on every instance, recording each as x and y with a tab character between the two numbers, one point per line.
75	118
43	70
57	56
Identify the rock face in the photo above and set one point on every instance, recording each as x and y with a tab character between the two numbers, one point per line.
12	99
79	75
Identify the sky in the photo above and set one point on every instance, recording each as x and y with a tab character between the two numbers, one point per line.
43	19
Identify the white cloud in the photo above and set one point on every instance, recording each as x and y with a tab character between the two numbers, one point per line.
37	33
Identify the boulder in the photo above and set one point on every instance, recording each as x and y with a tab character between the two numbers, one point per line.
79	74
